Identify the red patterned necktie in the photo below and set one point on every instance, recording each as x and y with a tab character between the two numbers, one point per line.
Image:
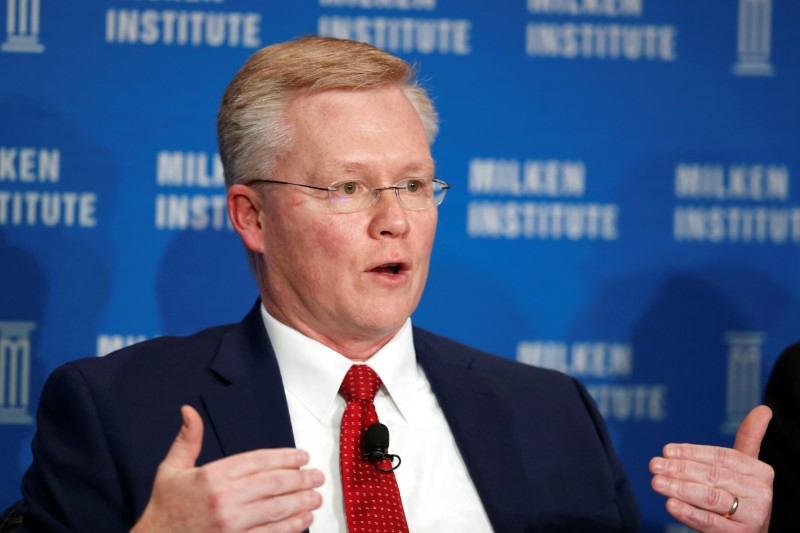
371	497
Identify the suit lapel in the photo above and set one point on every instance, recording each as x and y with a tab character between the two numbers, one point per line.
481	420
249	410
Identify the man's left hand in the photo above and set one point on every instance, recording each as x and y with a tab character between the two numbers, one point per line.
715	489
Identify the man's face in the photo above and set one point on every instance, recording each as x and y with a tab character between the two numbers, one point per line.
347	279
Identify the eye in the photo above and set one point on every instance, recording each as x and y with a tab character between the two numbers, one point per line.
348	188
414	186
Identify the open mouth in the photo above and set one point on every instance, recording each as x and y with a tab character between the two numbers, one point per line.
388	268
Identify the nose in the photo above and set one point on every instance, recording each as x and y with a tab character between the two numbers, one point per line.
389	218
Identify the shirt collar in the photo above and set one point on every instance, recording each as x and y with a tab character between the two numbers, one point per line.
312	372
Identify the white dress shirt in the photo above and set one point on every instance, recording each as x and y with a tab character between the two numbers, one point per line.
437	492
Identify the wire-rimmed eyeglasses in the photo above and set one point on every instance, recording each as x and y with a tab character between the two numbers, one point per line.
349	196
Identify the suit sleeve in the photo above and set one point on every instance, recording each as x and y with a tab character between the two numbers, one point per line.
781	445
628	508
72	484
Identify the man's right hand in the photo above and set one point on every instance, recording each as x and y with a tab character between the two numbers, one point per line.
262	490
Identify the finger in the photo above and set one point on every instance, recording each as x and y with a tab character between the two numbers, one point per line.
751	432
712	499
717	456
700	453
278	508
699	519
187	445
250	463
278	482
743	477
294	524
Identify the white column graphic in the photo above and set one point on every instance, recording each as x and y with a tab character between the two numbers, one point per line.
754	37
744	376
22	27
15	372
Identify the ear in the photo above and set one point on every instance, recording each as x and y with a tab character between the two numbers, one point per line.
245	208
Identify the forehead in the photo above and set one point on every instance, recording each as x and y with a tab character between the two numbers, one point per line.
353	129
341	104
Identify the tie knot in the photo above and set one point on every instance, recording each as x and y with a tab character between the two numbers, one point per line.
360	383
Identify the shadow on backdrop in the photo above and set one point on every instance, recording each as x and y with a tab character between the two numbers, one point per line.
678	339
55	275
203	281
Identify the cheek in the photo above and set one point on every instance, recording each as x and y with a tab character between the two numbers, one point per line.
325	233
328	240
427	231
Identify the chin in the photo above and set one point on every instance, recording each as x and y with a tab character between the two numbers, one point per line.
383	313
385	320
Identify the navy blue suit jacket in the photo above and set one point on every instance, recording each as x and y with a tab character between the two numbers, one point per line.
533	442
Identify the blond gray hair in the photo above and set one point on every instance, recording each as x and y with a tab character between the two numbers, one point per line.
251	125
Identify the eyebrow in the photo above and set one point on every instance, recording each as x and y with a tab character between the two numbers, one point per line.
362	168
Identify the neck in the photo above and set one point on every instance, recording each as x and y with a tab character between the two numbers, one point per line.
355	344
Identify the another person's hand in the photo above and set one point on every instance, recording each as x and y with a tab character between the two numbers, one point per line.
262	490
714	489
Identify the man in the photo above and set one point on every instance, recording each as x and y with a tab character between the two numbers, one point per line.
331	188
781	447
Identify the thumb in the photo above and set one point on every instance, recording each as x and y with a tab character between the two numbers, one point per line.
752	430
186	447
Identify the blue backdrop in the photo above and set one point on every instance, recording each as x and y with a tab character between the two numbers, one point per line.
622	209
